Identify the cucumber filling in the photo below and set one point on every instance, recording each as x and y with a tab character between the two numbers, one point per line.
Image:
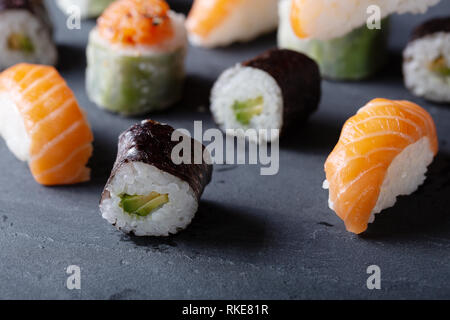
440	66
246	110
143	205
21	42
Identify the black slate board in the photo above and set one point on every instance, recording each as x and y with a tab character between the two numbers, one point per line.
254	237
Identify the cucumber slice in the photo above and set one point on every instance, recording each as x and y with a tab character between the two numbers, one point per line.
440	66
21	42
246	110
143	205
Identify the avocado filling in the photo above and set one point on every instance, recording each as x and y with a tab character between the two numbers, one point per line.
143	205
440	66
246	110
19	41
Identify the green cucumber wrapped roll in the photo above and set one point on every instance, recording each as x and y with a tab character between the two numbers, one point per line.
138	71
354	56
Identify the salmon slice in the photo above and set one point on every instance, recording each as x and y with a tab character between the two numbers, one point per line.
216	23
328	19
59	133
206	15
136	22
368	145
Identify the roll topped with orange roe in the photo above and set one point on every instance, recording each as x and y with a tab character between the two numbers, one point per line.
136	22
136	57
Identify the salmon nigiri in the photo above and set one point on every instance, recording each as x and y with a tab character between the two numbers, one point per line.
213	23
328	19
383	152
43	124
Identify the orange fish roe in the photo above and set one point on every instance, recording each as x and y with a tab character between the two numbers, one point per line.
136	22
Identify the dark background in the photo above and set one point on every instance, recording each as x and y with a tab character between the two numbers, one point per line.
254	237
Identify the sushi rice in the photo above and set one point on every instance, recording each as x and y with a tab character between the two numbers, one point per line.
405	174
141	178
12	128
242	83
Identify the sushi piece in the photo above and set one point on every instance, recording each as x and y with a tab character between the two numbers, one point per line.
214	23
26	33
354	56
276	90
426	66
329	19
335	33
147	193
136	57
88	8
383	152
42	123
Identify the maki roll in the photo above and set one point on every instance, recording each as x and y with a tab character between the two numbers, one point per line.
426	66
26	33
136	57
276	90
43	124
383	152
336	36
213	23
88	8
147	193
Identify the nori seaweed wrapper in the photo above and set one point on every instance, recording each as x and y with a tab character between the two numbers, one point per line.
299	79
36	7
150	142
29	5
431	27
